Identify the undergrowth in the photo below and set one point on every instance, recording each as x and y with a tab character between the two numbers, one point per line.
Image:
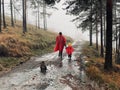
95	69
17	48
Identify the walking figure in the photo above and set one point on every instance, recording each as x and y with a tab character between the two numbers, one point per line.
43	67
60	43
69	50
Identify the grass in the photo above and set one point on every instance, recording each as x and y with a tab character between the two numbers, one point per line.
16	47
95	69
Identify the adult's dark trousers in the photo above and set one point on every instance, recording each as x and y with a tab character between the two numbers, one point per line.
60	54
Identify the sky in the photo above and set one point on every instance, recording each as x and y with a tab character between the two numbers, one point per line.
57	22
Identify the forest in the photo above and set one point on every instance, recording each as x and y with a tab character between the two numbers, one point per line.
99	17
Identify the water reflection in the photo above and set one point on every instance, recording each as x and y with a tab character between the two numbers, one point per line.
82	76
32	79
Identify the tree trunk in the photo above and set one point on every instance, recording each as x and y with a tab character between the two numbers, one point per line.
24	17
96	29
36	21
101	31
38	15
4	22
11	9
91	25
104	30
0	18
119	47
116	36
108	56
97	36
118	51
14	11
44	15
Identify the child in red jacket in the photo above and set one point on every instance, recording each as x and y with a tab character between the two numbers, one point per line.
69	50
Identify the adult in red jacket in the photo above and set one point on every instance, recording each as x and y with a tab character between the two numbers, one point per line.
60	43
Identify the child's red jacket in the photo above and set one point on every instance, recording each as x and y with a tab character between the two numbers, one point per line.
69	50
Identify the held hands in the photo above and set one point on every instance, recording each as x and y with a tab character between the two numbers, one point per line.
65	46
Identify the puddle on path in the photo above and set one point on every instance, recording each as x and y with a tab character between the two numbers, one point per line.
61	75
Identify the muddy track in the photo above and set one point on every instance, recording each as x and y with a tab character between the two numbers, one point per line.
61	74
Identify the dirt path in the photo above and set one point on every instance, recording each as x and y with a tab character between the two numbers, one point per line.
61	75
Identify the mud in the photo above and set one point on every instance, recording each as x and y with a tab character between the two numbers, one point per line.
62	74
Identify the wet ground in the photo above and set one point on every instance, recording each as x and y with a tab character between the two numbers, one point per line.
62	74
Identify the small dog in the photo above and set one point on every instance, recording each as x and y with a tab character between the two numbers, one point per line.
43	67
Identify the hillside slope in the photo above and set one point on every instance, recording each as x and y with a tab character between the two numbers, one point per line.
16	47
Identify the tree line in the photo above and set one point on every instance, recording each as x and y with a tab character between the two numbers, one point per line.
39	6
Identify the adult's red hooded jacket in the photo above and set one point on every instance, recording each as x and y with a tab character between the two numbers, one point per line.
60	43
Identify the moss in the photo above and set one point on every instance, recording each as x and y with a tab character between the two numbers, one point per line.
8	62
113	86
